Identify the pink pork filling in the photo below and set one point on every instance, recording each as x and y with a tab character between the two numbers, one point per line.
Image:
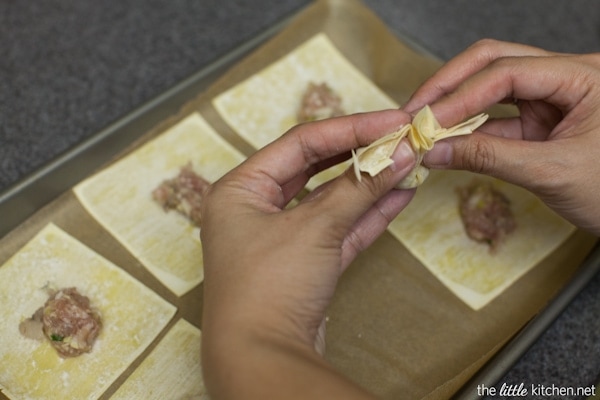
486	214
183	193
319	102
67	320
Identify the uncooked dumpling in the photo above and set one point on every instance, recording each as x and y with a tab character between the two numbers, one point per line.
422	134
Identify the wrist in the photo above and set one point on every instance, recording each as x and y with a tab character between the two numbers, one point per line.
254	364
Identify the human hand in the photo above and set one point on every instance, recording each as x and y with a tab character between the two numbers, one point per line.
271	272
551	148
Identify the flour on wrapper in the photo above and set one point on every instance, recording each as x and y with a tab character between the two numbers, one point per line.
422	134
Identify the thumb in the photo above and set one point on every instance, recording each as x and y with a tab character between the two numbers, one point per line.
516	161
346	199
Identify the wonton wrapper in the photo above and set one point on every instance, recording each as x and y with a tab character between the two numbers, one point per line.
173	369
132	317
264	106
120	198
432	230
422	133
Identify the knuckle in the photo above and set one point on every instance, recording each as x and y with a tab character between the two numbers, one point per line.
487	49
371	187
354	241
384	215
485	44
493	53
478	156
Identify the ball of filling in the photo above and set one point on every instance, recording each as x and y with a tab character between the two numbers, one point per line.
70	323
486	214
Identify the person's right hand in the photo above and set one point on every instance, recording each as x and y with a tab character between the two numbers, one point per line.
552	148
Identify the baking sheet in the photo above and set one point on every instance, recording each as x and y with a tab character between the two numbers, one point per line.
392	326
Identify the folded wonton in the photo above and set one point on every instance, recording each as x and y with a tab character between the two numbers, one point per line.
424	131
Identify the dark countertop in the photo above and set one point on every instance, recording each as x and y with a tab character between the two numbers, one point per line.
68	69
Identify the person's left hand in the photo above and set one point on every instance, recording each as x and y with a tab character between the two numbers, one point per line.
270	272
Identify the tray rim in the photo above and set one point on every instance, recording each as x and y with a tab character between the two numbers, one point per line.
22	199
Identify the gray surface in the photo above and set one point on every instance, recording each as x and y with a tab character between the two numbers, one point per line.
68	69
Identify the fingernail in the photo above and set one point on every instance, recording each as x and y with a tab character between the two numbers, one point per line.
440	155
403	156
409	108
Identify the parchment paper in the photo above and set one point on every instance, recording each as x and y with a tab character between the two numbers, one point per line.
392	326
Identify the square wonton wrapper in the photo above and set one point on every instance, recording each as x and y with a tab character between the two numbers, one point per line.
264	106
132	317
431	229
120	198
173	369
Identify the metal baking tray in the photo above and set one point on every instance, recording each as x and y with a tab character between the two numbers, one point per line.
38	189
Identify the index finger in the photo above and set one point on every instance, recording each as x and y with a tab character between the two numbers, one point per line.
474	59
559	81
309	144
